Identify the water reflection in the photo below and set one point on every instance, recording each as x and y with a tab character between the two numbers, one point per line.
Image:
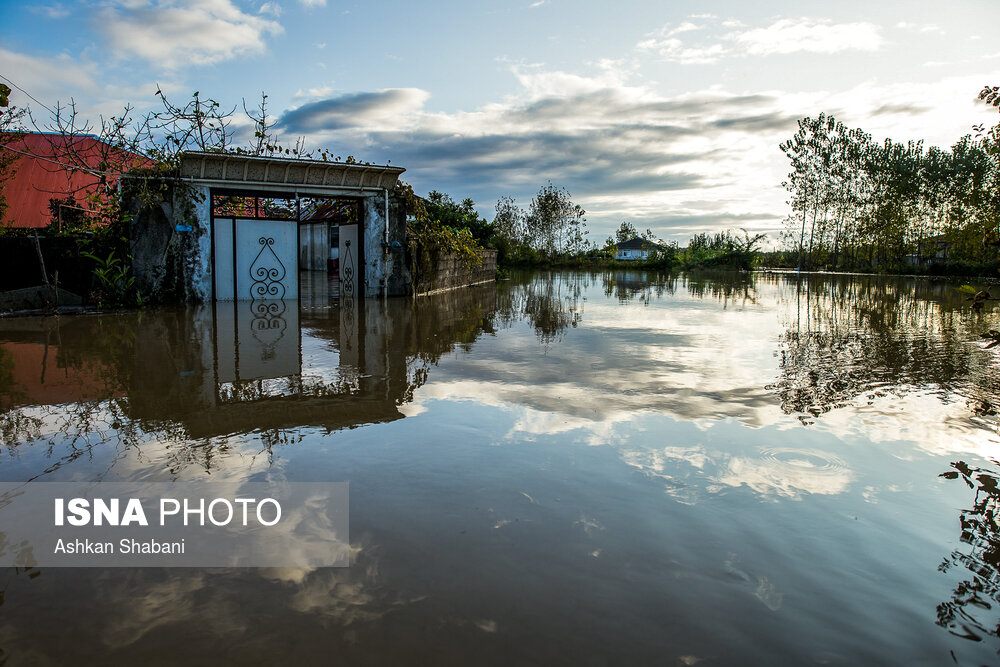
614	467
190	379
977	597
863	337
608	348
551	304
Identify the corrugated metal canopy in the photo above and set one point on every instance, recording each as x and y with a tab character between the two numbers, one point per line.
303	176
42	171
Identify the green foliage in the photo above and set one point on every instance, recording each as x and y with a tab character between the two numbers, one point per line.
991	95
115	286
607	251
858	204
68	216
430	236
553	229
556	222
11	130
990	138
626	232
721	250
448	213
532	238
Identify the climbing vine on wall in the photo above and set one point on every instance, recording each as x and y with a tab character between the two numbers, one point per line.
429	238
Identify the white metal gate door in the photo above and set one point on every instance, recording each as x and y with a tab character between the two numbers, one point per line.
350	274
256	260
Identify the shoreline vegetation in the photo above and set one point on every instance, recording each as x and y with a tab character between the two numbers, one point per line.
862	205
552	233
857	205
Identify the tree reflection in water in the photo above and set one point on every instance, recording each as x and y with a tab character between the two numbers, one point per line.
182	382
553	302
978	597
639	286
850	338
150	399
550	302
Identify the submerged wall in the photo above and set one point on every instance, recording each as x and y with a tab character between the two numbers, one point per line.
171	239
171	246
386	273
450	271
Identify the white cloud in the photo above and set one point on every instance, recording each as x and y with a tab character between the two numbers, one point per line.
919	27
937	112
185	32
539	82
272	8
50	80
781	37
60	78
673	49
807	35
314	3
54	11
318	92
687	26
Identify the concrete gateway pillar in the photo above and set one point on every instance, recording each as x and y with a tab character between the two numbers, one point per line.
233	224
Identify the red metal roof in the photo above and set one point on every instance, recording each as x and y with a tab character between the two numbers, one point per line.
42	171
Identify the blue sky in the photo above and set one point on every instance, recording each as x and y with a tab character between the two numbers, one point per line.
665	114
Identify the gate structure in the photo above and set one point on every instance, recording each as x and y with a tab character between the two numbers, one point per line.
233	230
254	249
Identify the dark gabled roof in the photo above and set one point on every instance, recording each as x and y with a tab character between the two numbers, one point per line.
637	243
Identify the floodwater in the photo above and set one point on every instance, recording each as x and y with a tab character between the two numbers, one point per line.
609	468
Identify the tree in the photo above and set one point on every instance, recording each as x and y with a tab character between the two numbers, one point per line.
555	223
446	211
509	220
861	204
11	129
626	232
749	243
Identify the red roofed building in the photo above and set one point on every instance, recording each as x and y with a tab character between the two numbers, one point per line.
50	166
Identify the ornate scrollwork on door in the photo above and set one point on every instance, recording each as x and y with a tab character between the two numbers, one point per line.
348	271
267	272
268	325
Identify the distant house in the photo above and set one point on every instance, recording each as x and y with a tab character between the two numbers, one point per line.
41	171
930	250
635	249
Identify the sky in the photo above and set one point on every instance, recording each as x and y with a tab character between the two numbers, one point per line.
665	114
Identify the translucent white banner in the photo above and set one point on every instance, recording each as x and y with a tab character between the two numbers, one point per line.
126	524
